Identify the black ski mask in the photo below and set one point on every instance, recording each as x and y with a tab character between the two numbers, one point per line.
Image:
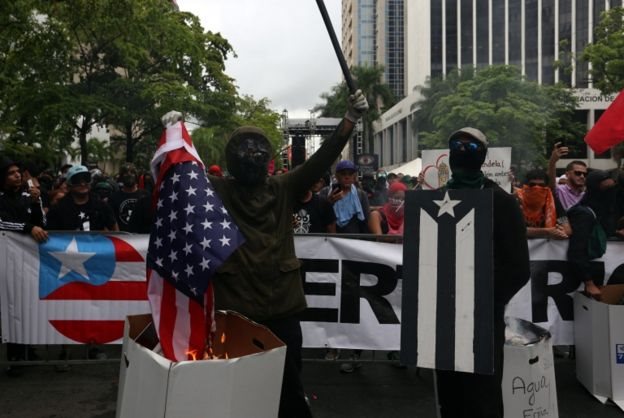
468	157
247	155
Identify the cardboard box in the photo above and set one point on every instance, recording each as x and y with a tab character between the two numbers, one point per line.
599	341
247	384
529	387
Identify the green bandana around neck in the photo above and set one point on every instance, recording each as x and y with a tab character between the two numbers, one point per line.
466	180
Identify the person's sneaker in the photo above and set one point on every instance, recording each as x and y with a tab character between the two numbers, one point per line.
332	354
352	365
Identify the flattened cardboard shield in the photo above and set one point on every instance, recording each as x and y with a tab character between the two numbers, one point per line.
448	293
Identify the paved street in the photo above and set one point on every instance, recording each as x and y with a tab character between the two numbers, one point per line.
378	389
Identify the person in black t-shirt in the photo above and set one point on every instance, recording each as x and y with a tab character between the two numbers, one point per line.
313	214
80	210
124	200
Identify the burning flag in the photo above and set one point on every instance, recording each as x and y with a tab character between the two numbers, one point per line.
609	130
192	235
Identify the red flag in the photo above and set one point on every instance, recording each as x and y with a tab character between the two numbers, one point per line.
192	235
609	130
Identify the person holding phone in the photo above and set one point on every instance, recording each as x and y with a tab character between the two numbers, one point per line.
572	192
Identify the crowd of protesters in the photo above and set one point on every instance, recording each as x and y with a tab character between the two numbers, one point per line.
582	205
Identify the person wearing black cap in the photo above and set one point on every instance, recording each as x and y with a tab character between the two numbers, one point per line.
593	219
261	279
474	395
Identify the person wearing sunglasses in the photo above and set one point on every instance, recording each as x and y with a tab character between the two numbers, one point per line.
539	209
478	395
571	192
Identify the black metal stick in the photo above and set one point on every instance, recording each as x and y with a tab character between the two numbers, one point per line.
332	35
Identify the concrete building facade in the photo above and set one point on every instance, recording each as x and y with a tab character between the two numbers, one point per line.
441	35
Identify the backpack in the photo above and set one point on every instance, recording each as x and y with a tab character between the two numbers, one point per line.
597	245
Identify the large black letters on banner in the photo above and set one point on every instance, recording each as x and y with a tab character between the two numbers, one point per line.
352	293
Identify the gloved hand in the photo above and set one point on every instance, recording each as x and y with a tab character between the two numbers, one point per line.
171	118
357	106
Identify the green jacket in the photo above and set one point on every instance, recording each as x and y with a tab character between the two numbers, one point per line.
261	279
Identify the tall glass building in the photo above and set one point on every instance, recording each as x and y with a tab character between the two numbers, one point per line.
372	34
441	35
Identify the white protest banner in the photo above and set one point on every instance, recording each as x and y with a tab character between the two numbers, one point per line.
74	288
437	170
79	287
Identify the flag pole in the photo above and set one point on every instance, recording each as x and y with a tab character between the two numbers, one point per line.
332	35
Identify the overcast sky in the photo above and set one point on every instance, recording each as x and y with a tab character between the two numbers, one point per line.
284	51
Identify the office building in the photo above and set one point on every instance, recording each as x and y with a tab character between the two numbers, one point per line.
441	35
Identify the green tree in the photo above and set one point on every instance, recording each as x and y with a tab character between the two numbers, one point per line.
210	141
511	111
606	53
82	63
378	94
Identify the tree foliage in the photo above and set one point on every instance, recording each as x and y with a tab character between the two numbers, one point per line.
378	94
511	111
210	141
606	53
68	66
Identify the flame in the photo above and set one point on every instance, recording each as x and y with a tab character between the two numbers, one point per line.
223	338
192	354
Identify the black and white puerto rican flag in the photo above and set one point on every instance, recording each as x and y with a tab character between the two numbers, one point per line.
448	294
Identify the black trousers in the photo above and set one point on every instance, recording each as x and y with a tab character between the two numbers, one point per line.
467	395
292	402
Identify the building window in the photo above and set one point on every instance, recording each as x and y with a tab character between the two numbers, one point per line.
451	35
482	33
548	41
466	33
565	41
530	41
582	22
515	32
436	38
498	32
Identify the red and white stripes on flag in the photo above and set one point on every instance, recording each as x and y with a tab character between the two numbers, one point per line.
192	235
183	325
448	301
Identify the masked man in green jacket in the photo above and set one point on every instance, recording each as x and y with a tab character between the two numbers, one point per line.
261	279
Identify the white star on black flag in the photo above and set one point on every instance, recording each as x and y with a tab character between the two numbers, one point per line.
448	294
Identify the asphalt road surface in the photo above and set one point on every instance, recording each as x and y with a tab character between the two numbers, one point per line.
378	389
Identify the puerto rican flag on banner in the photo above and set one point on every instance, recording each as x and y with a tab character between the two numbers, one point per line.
192	235
75	288
448	293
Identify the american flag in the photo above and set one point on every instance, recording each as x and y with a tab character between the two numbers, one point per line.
192	235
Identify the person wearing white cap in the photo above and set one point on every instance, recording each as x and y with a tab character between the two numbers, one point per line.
477	395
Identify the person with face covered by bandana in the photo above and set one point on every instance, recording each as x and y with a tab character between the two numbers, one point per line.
593	219
538	207
124	201
389	218
475	395
261	279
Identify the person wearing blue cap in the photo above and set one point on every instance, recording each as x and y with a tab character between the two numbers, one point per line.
350	203
80	210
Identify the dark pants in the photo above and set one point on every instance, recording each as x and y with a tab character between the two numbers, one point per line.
467	395
292	401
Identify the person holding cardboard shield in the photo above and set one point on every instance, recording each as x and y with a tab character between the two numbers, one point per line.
261	279
478	395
